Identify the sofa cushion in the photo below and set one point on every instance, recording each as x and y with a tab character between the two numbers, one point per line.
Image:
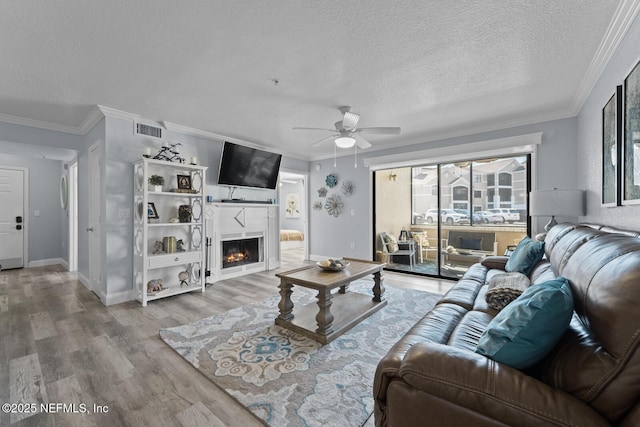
504	288
527	329
525	256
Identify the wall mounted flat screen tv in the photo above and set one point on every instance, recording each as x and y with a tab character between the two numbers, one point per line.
242	166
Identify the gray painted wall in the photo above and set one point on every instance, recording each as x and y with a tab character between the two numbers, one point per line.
45	233
46	138
590	135
569	157
331	236
121	149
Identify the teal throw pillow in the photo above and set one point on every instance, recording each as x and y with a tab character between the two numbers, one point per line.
525	256
527	329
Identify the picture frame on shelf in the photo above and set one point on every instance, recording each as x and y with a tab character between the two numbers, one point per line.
611	150
152	213
184	182
631	152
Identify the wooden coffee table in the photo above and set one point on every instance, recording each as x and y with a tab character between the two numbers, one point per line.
334	313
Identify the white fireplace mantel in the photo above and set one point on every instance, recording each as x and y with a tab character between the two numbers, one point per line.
229	221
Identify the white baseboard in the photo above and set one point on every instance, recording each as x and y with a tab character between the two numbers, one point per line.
46	262
108	299
84	280
118	297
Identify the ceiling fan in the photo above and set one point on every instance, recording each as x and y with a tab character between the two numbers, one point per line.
347	133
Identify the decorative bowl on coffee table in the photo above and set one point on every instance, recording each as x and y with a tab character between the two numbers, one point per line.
333	268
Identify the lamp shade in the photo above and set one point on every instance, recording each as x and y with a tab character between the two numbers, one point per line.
556	203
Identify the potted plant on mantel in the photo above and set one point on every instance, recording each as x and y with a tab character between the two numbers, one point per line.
155	183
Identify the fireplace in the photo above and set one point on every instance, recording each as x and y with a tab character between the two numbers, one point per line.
240	252
245	239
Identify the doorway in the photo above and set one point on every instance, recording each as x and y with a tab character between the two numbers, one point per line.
424	212
294	232
13	224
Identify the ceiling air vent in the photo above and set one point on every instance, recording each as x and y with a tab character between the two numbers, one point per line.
142	129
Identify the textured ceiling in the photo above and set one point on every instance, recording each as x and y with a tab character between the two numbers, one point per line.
435	68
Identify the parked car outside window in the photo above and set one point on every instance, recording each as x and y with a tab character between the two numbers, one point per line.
448	216
488	217
520	214
506	214
476	218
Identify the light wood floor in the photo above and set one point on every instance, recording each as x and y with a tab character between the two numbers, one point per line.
59	344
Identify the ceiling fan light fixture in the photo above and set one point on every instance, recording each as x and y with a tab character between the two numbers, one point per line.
345	141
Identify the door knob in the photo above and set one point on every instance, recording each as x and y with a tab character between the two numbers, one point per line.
19	227
90	229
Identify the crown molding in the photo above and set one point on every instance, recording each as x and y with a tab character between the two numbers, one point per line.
458	133
91	120
117	114
40	124
510	145
186	130
622	20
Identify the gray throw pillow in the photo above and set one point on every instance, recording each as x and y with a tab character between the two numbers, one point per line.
504	288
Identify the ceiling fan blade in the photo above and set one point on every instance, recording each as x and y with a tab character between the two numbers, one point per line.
324	140
301	128
362	143
381	130
350	120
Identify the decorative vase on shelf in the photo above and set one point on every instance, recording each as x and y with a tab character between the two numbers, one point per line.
155	188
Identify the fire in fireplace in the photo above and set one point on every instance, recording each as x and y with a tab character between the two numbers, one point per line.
240	252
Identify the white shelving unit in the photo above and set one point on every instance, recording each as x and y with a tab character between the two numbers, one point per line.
151	259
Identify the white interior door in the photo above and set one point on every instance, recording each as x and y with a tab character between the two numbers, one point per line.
94	216
11	218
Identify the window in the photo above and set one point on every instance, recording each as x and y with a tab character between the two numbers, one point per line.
504	179
444	202
460	193
505	197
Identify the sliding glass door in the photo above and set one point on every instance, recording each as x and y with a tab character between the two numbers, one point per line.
443	218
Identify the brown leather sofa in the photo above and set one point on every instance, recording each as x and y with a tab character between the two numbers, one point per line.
433	377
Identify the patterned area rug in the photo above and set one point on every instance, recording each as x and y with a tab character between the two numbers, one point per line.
286	379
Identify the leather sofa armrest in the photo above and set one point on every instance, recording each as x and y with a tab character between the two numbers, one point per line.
475	383
495	262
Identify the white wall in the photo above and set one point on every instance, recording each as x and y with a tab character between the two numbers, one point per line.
590	135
